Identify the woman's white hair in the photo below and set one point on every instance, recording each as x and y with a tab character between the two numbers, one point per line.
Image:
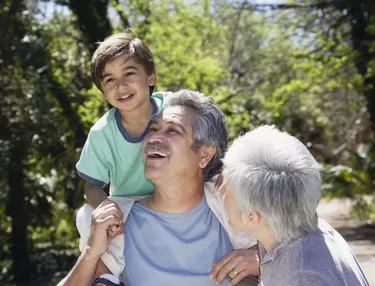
273	173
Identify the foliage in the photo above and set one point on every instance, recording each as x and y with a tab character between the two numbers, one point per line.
296	68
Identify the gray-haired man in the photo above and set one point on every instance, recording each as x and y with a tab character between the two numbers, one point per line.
173	236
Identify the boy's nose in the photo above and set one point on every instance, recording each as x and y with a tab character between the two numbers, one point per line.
122	84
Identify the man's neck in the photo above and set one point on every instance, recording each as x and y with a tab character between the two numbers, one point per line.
176	197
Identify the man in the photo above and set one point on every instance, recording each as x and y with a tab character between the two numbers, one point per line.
172	237
272	190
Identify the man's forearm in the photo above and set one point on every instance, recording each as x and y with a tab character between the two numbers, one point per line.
94	194
83	271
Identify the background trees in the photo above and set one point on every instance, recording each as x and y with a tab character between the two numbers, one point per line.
308	68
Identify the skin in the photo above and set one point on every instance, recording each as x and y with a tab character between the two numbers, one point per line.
182	165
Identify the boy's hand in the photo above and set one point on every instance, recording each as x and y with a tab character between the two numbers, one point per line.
103	217
114	229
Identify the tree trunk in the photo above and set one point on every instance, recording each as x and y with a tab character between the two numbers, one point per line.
361	39
92	20
18	213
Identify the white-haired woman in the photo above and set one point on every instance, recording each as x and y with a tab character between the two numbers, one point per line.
272	188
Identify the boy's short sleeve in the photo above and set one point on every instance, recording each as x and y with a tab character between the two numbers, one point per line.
160	99
93	165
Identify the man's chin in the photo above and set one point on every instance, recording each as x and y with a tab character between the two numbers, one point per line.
153	173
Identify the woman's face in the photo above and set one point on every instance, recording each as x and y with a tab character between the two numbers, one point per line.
235	218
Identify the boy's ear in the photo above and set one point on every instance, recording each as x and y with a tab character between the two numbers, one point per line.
207	152
152	79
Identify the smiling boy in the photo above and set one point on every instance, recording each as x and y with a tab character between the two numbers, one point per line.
124	71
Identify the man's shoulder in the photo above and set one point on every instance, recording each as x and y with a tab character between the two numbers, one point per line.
104	122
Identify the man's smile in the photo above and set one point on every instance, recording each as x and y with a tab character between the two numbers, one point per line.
156	151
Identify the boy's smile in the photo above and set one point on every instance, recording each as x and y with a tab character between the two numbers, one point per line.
126	85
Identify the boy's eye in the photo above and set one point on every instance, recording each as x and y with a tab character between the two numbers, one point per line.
110	80
129	74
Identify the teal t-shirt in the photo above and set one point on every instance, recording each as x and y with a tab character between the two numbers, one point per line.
110	155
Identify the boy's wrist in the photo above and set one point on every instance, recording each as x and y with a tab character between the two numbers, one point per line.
91	254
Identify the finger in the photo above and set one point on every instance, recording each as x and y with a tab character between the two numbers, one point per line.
120	229
238	278
225	270
113	228
216	266
233	273
111	233
107	212
107	221
106	207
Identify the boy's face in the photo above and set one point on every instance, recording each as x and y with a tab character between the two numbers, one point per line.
125	84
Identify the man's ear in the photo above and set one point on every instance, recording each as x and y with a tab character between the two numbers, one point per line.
206	154
152	79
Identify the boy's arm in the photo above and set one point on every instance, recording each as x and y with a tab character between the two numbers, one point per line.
97	196
94	194
84	270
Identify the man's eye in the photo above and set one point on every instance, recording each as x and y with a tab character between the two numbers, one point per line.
172	130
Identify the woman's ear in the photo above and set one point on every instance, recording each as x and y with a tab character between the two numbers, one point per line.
251	219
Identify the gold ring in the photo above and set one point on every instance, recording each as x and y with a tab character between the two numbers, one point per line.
235	272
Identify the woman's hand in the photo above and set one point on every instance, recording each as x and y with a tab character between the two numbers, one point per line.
237	265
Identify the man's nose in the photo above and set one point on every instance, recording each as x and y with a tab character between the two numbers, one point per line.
157	137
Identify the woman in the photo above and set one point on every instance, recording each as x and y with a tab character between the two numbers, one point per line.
272	188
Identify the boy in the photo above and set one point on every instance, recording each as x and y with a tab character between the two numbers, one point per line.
124	71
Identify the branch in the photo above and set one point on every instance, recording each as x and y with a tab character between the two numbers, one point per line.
321	5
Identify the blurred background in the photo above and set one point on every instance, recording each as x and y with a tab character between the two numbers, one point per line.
306	66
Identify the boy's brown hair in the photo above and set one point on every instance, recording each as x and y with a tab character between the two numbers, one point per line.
117	45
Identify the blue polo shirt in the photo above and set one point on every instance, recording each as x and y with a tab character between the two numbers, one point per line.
173	249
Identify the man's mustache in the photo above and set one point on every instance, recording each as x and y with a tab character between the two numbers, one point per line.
156	147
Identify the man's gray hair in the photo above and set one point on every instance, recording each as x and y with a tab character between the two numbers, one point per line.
209	128
273	173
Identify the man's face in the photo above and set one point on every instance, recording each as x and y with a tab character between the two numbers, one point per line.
167	149
235	219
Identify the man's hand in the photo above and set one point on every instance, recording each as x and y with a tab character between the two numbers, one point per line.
103	218
238	264
113	230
